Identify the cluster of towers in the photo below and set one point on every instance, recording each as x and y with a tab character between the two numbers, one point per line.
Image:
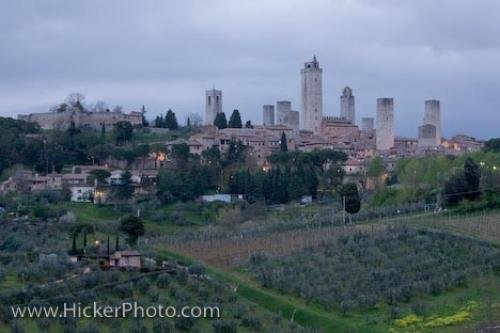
284	115
312	112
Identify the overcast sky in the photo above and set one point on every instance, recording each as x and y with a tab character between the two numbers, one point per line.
165	54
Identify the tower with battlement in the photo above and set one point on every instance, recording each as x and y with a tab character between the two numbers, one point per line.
432	116
268	115
283	108
347	105
385	124
213	105
312	96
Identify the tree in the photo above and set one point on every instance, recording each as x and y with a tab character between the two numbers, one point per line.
195	119
118	109
492	145
472	176
103	132
123	132
211	155
351	196
220	120
235	152
158	122
133	227
283	143
248	124
454	189
376	168
171	120
235	120
180	153
99	106
145	122
75	99
100	175
124	190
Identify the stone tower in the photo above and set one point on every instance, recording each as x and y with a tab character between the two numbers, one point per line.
268	115
312	96
367	124
432	116
347	105
283	108
213	105
385	123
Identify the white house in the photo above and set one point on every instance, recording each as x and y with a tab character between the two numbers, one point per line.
82	193
115	178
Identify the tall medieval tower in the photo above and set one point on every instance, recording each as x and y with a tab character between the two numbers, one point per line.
385	124
312	96
213	105
347	105
432	116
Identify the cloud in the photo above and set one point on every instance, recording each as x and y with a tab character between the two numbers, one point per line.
164	54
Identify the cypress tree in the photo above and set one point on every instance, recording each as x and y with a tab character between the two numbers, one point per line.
283	144
73	246
84	239
171	120
235	120
220	120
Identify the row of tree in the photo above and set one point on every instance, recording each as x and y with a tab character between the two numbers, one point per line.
169	121
235	121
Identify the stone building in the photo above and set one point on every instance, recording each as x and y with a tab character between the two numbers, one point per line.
282	110
367	124
347	105
82	118
427	136
337	130
432	116
213	105
268	115
293	120
385	124
312	96
286	116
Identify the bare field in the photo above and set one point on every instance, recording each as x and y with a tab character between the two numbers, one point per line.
231	252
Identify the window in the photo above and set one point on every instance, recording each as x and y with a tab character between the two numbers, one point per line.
209	100
217	100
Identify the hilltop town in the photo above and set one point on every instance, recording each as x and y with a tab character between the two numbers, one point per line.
306	131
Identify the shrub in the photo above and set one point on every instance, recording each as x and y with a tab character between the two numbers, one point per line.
196	268
252	323
224	326
89	328
162	326
143	286
163	281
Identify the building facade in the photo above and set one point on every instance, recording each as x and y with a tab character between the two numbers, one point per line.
82	118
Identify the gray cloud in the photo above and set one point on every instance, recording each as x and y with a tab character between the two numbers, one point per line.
164	54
